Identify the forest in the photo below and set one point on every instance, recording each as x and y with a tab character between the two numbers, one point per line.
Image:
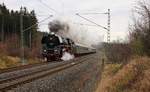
10	32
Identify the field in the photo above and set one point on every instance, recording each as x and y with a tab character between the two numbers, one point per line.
132	77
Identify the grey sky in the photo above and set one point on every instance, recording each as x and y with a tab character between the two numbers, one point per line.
120	13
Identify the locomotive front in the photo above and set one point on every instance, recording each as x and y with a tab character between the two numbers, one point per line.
51	47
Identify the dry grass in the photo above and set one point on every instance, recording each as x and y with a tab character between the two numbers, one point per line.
9	61
109	71
133	77
33	61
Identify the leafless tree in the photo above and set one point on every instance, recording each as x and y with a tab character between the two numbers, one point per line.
140	30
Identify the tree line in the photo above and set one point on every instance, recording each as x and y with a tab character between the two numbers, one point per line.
10	32
10	25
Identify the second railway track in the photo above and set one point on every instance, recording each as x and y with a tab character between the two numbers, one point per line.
14	81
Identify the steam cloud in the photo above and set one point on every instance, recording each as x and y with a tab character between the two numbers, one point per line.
77	33
67	56
59	27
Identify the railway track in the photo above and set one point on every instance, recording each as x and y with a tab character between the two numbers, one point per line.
33	65
7	83
21	67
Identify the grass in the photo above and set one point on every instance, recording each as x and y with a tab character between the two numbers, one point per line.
111	69
9	61
133	77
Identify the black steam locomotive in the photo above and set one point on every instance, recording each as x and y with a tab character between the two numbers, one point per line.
53	47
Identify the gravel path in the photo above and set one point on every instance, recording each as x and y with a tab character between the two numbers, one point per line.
79	78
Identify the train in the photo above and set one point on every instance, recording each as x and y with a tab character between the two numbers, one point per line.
54	46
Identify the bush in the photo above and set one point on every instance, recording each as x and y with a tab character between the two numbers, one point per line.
117	52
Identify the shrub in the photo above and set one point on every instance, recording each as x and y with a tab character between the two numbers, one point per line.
117	52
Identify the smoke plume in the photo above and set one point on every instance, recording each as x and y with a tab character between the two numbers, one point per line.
75	32
59	27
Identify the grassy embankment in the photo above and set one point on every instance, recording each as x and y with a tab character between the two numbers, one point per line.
9	61
132	77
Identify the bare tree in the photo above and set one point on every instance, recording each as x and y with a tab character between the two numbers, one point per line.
140	30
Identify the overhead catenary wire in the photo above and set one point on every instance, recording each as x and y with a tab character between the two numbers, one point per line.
95	13
90	21
48	6
40	15
22	35
37	23
108	23
85	24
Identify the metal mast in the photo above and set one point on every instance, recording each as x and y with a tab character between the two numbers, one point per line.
22	37
30	40
2	28
108	28
2	38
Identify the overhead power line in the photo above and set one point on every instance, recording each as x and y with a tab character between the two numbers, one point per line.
37	23
108	23
22	35
47	6
85	24
95	13
90	21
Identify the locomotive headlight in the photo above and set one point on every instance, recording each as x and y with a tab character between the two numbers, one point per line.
56	50
44	50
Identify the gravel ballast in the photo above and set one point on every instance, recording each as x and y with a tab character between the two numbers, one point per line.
83	77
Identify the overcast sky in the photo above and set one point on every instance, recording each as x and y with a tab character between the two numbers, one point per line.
120	13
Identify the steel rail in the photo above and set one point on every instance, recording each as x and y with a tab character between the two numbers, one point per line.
12	83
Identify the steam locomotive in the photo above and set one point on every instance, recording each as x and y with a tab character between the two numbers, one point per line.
54	46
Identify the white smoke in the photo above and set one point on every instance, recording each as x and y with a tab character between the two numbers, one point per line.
78	34
67	56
